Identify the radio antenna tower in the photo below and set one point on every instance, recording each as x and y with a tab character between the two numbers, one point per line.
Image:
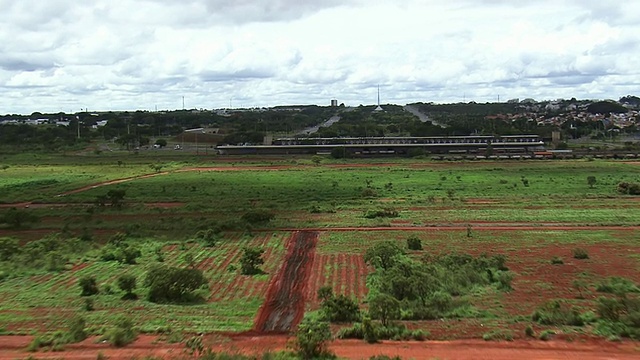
378	108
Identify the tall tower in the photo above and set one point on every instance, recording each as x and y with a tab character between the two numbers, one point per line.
378	108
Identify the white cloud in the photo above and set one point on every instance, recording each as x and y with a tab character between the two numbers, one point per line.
63	55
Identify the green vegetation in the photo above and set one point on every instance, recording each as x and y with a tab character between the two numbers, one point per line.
251	260
176	244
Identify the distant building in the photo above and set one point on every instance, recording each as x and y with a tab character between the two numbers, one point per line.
334	103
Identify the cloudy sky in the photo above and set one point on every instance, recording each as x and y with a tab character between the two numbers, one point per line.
67	55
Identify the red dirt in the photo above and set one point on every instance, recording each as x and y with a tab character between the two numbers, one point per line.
284	306
13	347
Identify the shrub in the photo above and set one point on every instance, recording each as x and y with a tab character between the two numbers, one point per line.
312	338
122	333
504	279
546	335
368	193
580	254
383	213
626	188
414	243
497	335
127	283
528	331
250	261
76	329
87	305
258	216
341	309
88	285
557	260
170	284
617	285
556	312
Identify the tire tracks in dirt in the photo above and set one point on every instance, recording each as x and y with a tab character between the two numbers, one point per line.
286	297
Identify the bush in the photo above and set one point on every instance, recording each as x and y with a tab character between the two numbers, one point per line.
88	285
556	313
557	260
88	304
312	338
341	309
381	213
170	284
122	333
127	283
580	254
258	216
504	279
76	329
626	188
546	335
251	260
497	335
414	243
528	331
618	286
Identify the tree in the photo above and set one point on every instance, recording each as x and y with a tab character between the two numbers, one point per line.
414	243
76	329
171	284
127	283
116	196
89	286
312	338
338	308
384	307
591	180
123	332
382	254
161	142
17	218
251	260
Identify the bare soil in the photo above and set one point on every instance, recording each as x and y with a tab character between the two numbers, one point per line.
284	307
13	347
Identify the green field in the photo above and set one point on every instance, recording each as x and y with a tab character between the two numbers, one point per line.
435	201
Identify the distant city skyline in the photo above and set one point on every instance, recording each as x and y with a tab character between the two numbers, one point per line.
63	55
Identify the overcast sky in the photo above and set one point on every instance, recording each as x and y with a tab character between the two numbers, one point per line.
67	55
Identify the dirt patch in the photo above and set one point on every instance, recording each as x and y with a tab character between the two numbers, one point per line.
13	347
284	306
111	182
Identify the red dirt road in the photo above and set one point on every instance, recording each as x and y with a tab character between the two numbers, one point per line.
284	307
13	347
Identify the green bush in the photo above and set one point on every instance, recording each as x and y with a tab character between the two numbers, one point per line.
312	337
88	285
171	284
497	335
258	216
580	254
618	286
557	260
122	333
414	243
546	335
381	213
528	331
340	309
557	312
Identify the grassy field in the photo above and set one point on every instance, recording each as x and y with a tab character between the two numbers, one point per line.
432	200
41	300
